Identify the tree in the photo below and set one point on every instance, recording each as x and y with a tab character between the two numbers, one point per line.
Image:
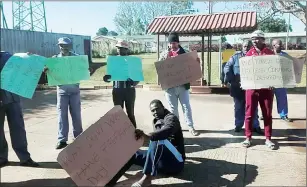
133	17
102	31
296	8
112	33
274	25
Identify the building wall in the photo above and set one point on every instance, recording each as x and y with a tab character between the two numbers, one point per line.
41	43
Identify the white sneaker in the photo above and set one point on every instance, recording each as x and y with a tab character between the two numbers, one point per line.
193	131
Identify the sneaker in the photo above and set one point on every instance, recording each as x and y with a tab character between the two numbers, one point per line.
29	163
193	132
285	118
61	145
270	144
247	143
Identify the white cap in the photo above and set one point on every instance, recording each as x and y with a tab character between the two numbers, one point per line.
257	34
123	44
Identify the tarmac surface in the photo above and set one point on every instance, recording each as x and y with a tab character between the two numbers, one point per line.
215	158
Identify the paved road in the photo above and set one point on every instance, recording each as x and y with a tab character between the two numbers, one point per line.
215	158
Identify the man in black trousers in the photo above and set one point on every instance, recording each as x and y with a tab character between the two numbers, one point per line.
124	91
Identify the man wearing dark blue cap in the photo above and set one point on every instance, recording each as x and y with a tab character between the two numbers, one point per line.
181	92
10	106
68	96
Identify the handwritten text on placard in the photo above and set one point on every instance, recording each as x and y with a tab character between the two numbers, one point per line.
100	151
179	70
266	71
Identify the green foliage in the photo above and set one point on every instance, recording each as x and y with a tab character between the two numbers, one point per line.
132	18
112	33
102	31
274	25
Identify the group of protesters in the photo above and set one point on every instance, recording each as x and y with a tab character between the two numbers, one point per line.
165	152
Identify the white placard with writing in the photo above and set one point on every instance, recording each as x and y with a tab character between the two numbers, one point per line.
100	151
258	72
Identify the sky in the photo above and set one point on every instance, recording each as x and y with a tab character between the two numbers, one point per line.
85	18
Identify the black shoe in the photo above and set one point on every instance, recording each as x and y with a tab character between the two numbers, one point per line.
61	145
238	129
3	163
285	118
258	131
29	163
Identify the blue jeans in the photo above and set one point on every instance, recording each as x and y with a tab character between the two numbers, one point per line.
282	101
180	93
71	100
156	159
239	105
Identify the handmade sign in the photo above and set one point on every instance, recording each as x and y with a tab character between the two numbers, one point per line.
21	74
178	70
266	71
101	151
67	70
123	67
298	65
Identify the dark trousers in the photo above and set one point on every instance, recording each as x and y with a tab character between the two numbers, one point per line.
265	99
125	96
156	159
16	124
223	74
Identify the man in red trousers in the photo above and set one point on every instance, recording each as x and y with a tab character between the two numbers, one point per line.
263	96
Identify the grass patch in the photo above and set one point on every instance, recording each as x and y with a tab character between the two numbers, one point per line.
150	75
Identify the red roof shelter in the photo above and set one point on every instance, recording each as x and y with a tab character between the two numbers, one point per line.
204	25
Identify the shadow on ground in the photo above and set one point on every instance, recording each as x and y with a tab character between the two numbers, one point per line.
198	171
48	98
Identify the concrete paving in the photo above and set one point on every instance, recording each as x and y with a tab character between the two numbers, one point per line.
215	158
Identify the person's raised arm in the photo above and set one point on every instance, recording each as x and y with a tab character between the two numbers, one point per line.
171	125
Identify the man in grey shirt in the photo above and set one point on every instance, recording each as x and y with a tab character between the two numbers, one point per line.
68	96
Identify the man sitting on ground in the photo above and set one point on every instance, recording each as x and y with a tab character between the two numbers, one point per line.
165	153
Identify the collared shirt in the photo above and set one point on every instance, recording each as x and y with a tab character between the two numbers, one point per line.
69	88
232	67
6	97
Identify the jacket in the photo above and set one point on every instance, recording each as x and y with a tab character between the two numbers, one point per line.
6	97
165	55
169	128
232	75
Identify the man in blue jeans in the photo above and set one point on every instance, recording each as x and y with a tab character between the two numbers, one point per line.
11	108
181	92
68	96
165	153
281	93
232	76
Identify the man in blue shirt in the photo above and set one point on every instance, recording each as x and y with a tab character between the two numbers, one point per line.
281	93
68	96
232	77
11	108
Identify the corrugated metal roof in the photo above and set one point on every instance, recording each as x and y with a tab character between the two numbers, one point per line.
236	22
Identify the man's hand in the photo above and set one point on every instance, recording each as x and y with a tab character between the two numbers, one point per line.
130	80
198	59
107	78
140	134
45	69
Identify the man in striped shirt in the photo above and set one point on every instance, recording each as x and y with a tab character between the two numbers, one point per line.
124	91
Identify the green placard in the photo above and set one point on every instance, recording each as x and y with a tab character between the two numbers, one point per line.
67	70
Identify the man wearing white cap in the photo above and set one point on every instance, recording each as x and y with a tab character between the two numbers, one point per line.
124	91
68	96
263	96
